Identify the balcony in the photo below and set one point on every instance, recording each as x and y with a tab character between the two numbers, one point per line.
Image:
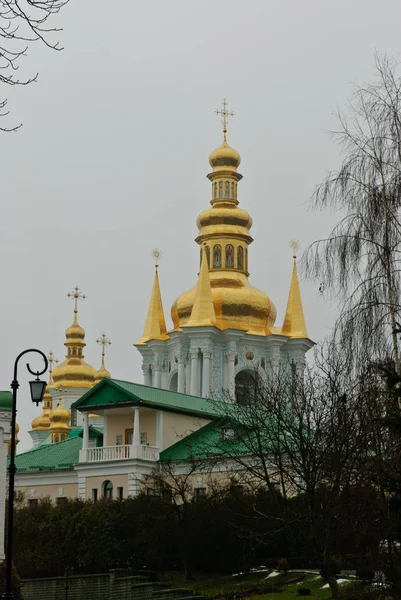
126	452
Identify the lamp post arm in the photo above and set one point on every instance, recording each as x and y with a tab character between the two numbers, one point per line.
8	595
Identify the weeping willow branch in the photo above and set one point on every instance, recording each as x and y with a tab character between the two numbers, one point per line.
359	262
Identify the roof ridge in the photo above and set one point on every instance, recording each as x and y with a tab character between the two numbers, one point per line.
151	387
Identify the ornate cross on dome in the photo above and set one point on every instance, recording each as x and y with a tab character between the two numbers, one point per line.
104	341
225	114
51	360
63	390
77	295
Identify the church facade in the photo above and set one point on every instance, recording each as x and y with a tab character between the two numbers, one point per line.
98	436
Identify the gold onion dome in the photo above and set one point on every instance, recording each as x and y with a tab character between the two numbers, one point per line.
60	419
224	234
224	157
74	371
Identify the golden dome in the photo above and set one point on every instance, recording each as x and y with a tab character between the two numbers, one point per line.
102	373
41	423
74	371
237	304
224	157
60	419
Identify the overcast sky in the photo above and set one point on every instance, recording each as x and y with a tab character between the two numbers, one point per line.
112	158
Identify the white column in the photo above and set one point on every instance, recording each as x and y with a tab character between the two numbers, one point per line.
147	376
181	372
230	357
136	437
159	430
85	442
157	374
194	353
187	375
207	360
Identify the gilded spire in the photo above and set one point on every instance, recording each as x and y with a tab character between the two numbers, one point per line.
59	420
77	295
155	326
294	322
102	373
203	313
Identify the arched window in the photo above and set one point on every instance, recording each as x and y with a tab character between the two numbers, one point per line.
232	191
227	189
229	256
246	259
240	257
244	387
215	190
208	256
74	351
173	386
220	189
107	488
217	256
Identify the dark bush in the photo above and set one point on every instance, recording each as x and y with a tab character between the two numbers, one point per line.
304	591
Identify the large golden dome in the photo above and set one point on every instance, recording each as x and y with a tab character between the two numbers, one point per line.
224	234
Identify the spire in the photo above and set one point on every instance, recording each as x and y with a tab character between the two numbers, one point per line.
203	314
155	326
102	373
294	322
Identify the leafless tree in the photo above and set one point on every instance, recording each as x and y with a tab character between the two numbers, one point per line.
23	22
359	262
310	434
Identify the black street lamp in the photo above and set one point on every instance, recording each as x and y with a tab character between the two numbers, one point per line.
37	390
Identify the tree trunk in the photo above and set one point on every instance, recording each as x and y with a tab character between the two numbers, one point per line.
334	587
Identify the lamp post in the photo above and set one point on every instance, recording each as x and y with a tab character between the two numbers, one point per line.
37	390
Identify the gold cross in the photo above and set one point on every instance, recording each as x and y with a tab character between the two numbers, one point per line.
157	255
103	341
62	390
77	295
225	114
51	360
294	244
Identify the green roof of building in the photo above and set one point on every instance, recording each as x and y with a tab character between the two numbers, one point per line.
62	455
113	392
206	443
6	401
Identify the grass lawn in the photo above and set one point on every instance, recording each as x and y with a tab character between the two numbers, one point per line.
257	586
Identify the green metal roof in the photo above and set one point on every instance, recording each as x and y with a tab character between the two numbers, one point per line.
206	442
62	455
6	401
113	392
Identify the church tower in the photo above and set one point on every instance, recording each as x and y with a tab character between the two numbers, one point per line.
224	328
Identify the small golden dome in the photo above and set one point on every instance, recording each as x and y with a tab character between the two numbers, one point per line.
60	418
41	423
74	371
224	157
102	373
